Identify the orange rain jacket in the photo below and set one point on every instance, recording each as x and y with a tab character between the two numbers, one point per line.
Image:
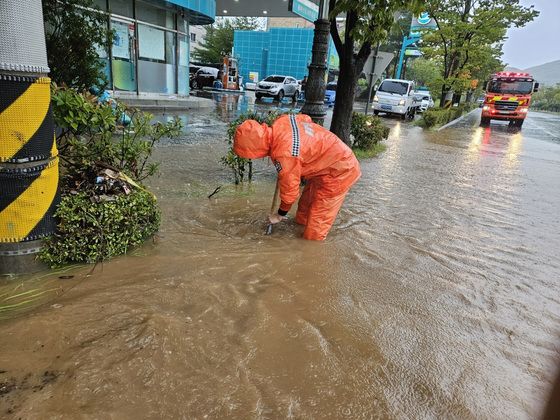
300	149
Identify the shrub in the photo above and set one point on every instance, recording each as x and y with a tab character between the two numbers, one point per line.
104	209
367	130
90	232
440	116
90	134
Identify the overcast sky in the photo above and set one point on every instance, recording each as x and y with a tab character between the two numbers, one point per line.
539	41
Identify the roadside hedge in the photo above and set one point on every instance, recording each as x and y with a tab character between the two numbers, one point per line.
434	117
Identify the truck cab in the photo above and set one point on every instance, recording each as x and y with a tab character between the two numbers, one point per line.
397	97
507	98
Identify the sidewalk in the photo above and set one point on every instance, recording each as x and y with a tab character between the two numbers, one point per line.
164	103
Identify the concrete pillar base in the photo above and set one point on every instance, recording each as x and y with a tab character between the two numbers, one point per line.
20	258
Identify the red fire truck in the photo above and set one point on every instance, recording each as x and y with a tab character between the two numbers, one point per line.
508	96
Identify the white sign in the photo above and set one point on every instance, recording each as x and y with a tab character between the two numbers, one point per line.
382	61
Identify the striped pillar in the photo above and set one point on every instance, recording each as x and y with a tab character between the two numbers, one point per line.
28	153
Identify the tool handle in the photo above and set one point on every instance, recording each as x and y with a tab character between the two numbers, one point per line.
273	207
275	198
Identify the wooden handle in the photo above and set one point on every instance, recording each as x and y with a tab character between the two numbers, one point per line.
275	198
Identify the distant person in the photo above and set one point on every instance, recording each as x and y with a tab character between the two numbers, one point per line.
301	149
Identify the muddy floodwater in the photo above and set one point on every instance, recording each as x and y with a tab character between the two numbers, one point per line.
436	294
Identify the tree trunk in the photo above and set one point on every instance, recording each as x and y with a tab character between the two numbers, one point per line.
456	98
446	97
345	92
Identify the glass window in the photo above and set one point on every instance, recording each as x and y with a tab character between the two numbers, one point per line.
123	63
157	65
101	4
183	70
154	15
151	43
122	7
193	37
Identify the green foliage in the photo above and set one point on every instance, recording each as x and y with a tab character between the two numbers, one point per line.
74	31
91	134
468	41
218	40
434	117
104	209
91	232
368	131
370	153
425	73
238	164
547	99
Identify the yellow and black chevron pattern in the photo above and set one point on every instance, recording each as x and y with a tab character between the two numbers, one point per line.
28	159
26	125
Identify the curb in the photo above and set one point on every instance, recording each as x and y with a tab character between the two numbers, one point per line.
455	121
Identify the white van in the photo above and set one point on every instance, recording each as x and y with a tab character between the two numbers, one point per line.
396	96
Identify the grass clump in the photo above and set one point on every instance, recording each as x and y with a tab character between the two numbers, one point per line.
368	132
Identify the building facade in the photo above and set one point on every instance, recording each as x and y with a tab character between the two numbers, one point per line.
282	51
288	22
150	52
197	34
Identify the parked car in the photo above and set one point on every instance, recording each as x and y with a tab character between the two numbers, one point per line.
330	93
278	87
396	96
425	99
204	76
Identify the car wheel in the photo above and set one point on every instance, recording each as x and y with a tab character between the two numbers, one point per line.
403	116
484	122
280	96
258	95
195	84
375	112
411	114
296	96
519	123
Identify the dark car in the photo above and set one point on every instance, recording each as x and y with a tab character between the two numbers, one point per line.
204	76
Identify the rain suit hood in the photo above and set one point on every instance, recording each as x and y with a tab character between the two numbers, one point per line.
252	140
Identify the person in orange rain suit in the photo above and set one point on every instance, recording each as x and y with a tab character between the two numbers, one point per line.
300	149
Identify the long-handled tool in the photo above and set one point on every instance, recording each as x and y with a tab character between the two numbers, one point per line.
273	207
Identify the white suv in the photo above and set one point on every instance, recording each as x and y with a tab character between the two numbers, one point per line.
278	87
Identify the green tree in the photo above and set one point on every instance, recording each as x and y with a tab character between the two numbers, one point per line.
367	22
218	40
74	31
425	73
547	98
469	32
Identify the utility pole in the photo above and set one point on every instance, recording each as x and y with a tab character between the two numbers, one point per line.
315	89
28	153
371	74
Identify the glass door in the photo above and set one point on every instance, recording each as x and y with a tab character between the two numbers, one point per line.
124	55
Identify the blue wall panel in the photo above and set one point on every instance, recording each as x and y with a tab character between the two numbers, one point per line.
285	51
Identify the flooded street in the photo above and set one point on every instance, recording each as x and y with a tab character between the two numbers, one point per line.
436	294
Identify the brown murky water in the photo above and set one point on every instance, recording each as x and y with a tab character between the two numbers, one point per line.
436	295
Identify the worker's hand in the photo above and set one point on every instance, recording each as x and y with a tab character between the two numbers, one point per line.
276	218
